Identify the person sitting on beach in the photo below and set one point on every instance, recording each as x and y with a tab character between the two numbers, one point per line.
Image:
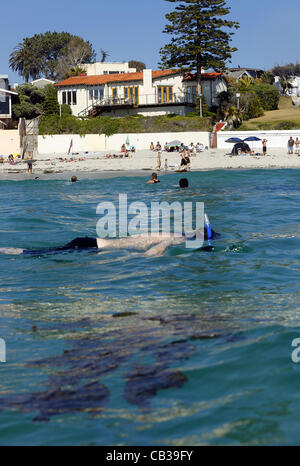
184	183
199	147
191	148
158	147
123	148
152	146
126	153
154	179
1	159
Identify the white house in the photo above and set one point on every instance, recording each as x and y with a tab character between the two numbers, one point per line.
99	68
5	98
147	93
42	82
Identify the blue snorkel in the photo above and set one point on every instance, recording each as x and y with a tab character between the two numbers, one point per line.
208	230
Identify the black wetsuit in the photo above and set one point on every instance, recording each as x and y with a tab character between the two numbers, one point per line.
77	243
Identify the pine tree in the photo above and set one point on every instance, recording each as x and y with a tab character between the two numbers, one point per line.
200	37
50	105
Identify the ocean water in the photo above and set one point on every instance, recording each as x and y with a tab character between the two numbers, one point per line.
114	348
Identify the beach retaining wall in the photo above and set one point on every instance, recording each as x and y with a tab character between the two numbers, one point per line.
276	139
9	141
60	144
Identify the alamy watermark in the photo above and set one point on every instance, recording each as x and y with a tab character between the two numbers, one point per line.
2	350
136	218
296	352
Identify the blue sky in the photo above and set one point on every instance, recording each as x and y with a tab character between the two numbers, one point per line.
132	29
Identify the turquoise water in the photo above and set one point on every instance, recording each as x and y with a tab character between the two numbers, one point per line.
115	348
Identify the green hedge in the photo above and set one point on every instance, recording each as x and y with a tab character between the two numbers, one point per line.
68	124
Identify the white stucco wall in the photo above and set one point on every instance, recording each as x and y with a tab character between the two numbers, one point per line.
276	139
98	68
9	141
59	144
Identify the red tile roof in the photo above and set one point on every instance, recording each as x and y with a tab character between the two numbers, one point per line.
192	76
112	78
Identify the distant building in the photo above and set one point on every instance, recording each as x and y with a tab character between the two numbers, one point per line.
42	82
239	73
147	93
294	86
99	68
5	99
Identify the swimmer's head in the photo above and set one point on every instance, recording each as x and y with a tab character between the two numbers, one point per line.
184	183
154	176
74	179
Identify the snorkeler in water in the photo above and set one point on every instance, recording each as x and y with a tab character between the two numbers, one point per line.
157	244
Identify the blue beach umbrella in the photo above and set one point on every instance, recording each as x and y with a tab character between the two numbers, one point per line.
252	139
234	140
174	144
127	141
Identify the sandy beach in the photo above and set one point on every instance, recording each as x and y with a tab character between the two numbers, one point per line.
95	164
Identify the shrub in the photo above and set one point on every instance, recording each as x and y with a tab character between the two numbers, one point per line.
268	96
287	124
66	109
29	102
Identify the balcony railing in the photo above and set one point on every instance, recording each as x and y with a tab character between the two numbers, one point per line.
143	99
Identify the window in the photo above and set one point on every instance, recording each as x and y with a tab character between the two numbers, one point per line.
191	95
131	95
96	93
164	94
115	94
69	97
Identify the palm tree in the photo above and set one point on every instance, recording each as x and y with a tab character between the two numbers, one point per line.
20	60
104	55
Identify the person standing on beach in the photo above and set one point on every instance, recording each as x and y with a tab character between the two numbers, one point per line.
166	165
264	144
29	163
297	144
291	143
158	161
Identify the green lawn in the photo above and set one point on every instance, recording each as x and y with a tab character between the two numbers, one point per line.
286	117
